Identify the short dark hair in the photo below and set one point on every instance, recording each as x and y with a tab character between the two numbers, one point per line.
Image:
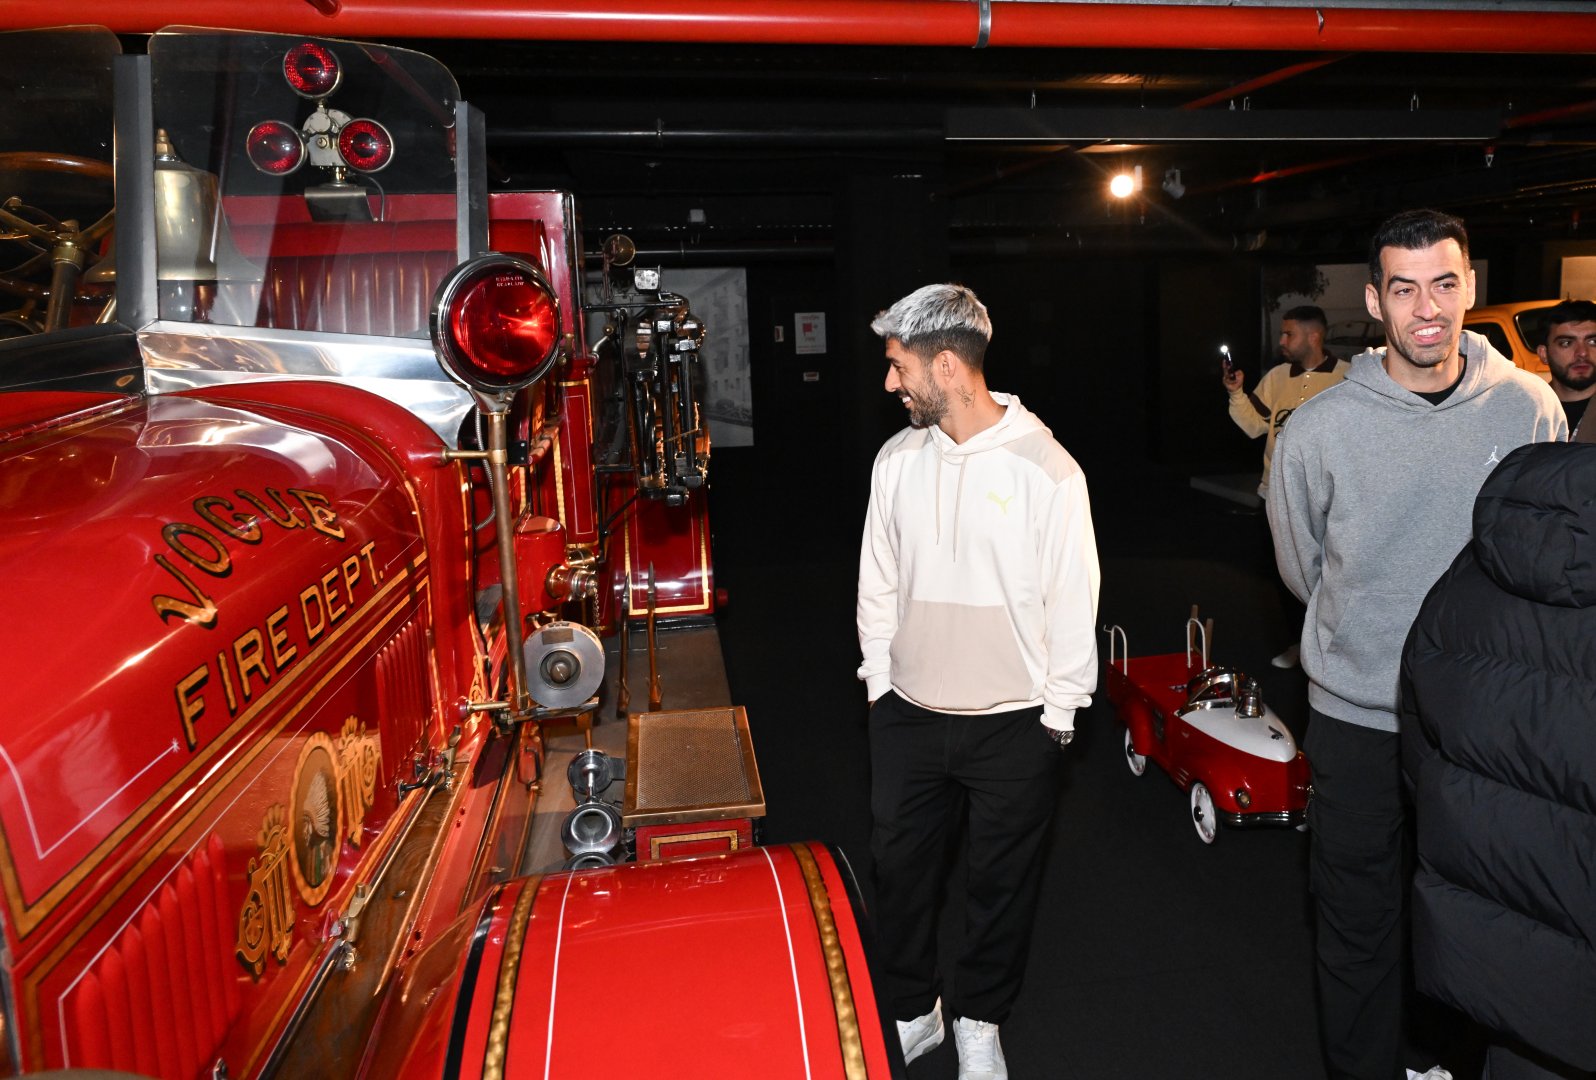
1307	313
1412	230
1565	312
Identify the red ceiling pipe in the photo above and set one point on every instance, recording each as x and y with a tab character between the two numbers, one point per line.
1307	28
1560	112
773	22
857	22
1242	89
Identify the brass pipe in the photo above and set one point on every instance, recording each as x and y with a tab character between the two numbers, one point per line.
510	599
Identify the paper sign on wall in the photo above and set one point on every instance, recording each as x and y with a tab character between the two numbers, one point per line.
809	332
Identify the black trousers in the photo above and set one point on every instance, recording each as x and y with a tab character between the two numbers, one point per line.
923	765
1358	870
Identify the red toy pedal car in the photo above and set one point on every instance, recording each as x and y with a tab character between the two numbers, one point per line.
1208	728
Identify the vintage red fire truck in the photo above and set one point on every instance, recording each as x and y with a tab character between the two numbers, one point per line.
318	515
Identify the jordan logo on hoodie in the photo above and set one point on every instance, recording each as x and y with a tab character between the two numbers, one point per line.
1493	459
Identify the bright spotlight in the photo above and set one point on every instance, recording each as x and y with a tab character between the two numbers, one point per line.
1126	184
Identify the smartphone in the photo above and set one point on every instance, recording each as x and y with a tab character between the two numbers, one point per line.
1224	359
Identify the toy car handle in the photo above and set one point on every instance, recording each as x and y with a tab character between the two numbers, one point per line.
1192	623
1116	633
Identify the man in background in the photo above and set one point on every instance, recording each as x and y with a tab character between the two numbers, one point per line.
1570	353
1370	498
1305	369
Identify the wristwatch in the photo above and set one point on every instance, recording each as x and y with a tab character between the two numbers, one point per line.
1062	736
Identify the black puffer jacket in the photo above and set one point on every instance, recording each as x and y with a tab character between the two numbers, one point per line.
1499	746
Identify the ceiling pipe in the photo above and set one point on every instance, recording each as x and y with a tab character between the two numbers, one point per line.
1279	75
1321	27
1271	78
1053	244
664	137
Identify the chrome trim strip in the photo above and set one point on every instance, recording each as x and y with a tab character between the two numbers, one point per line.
1273	817
471	179
329	963
183	356
135	192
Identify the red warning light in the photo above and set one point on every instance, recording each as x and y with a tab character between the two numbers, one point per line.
275	148
496	323
365	145
312	70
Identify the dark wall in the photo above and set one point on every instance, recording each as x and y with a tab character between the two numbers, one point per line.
1117	355
799	492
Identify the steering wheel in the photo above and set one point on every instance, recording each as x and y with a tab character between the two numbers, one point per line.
58	248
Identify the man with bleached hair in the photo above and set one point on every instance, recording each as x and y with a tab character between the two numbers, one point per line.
978	584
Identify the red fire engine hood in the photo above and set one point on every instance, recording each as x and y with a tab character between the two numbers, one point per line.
740	965
168	559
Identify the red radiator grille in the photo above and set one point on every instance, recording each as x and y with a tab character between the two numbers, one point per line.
404	694
173	961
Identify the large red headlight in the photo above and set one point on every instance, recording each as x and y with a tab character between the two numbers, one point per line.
312	70
496	323
275	148
365	145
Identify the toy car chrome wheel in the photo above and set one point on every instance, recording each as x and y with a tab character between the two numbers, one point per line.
1136	762
1203	817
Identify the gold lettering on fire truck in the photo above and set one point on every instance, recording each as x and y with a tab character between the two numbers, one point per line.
266	924
204	550
244	669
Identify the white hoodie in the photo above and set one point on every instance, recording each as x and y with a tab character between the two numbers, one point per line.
978	574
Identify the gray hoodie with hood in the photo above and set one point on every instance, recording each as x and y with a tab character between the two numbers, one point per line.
1371	497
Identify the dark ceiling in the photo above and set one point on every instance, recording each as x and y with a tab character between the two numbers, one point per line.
752	147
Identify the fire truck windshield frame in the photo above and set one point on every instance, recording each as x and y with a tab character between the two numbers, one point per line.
299	251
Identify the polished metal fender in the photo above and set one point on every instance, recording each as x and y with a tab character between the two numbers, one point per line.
745	964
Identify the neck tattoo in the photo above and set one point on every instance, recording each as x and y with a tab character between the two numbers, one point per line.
964	396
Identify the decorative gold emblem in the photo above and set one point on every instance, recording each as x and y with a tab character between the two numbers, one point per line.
317	821
359	755
266	925
335	784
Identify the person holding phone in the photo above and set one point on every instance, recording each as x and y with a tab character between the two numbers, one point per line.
1305	369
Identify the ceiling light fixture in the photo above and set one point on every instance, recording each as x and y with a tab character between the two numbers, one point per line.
1126	184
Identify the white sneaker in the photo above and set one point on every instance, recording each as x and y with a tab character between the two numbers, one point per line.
1434	1072
980	1053
1289	659
922	1034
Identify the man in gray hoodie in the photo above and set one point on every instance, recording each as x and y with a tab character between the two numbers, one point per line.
1373	486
